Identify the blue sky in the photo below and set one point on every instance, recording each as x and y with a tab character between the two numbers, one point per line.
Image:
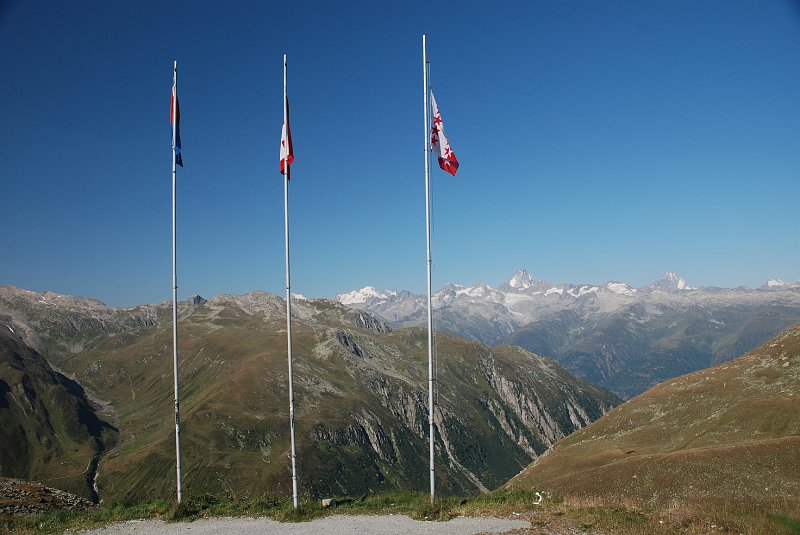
598	141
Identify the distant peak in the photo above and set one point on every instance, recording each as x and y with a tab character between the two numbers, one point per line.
671	282
361	296
621	288
781	284
521	280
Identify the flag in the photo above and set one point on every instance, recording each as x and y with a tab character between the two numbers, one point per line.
447	158
175	114
287	151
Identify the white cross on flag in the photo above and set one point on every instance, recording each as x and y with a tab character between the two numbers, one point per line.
447	158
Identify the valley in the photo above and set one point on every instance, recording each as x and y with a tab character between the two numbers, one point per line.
720	442
361	396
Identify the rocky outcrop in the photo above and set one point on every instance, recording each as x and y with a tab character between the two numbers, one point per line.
366	430
524	403
362	320
525	423
348	343
18	497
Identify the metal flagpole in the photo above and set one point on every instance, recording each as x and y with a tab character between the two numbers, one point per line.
288	285
175	284
428	243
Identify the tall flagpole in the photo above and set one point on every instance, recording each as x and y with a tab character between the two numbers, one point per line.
288	285
175	285
428	243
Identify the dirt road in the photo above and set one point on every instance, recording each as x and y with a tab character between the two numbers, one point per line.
334	525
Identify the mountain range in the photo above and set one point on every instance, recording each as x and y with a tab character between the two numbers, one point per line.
360	389
624	338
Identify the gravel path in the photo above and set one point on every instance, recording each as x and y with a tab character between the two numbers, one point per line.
332	525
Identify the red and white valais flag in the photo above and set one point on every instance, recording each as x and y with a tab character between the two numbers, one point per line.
447	158
287	152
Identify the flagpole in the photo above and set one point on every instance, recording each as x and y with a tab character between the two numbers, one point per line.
175	285
288	287
428	244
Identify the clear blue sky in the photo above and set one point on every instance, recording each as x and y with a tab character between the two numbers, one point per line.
597	141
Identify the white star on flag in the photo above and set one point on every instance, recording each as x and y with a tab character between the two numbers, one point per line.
447	158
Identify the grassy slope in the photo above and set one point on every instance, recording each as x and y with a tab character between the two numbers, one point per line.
50	431
728	434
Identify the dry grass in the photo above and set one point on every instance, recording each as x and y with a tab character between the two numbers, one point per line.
723	441
628	517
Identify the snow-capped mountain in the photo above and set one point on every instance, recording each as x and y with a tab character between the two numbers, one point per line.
671	282
518	301
779	284
613	334
519	282
364	295
621	288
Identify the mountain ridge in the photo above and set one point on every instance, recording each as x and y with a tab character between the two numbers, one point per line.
623	338
522	281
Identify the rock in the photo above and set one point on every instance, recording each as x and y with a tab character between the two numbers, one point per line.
19	497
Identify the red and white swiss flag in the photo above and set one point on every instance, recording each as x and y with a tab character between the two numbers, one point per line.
447	158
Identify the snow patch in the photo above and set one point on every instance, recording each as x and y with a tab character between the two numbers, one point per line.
583	290
621	288
472	291
360	296
554	290
671	282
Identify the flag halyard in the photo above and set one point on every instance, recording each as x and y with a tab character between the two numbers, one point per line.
447	158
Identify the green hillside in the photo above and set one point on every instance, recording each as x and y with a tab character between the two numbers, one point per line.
50	430
728	434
